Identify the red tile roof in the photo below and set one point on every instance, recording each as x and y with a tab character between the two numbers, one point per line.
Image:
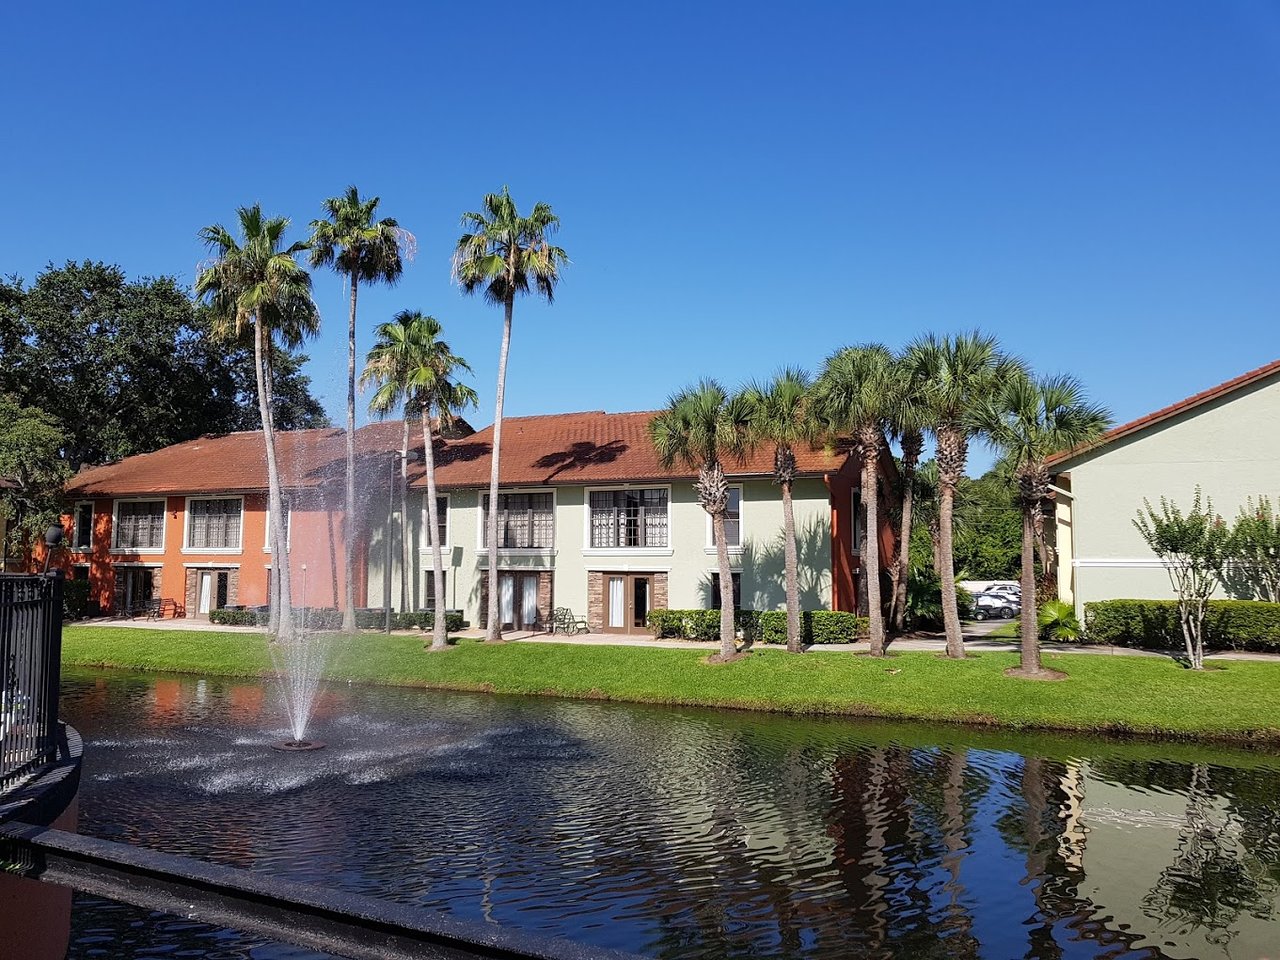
587	447
1182	406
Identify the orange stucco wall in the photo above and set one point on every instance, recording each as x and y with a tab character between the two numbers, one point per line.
845	565
315	542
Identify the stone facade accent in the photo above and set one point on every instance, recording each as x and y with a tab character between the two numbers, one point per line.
192	593
546	595
660	601
190	598
595	596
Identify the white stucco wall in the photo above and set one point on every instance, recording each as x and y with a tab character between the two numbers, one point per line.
1230	448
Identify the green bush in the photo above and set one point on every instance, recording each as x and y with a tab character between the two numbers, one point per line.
924	601
1153	624
764	626
327	618
238	618
75	599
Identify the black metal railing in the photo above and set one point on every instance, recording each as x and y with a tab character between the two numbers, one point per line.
30	674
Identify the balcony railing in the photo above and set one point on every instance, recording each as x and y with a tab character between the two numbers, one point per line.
30	673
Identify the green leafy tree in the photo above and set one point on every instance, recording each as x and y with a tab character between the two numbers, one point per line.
32	473
700	427
505	255
958	372
779	416
364	249
856	396
1254	551
254	284
1194	547
1028	420
415	369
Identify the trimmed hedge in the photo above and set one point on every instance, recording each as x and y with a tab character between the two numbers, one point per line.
1153	624
75	599
764	626
327	618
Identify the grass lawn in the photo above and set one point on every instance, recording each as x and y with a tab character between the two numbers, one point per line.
1238	701
1006	631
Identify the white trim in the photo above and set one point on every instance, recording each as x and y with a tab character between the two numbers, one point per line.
211	551
483	525
709	546
75	526
627	568
424	545
589	551
266	529
211	566
115	526
1147	562
136	563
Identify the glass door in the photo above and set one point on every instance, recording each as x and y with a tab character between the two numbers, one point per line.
628	598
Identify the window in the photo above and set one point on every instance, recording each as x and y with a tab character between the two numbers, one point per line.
214	524
442	521
139	525
288	529
629	518
858	521
80	571
525	521
737	591
732	520
83	526
429	589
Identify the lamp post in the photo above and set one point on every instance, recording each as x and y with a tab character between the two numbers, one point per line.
52	539
409	456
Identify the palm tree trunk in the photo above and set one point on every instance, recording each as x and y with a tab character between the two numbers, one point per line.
273	601
280	554
1030	623
439	636
494	632
950	612
911	445
349	514
728	646
405	544
871	544
792	573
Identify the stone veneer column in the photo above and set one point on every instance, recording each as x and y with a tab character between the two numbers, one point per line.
545	597
193	578
595	601
660	600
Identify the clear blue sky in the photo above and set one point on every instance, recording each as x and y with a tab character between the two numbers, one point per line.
741	185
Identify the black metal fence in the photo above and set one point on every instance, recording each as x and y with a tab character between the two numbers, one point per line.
30	673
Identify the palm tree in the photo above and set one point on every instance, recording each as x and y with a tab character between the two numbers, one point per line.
413	367
779	412
1029	420
505	254
700	426
959	373
364	250
256	283
907	421
855	397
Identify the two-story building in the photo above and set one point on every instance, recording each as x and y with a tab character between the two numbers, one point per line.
588	519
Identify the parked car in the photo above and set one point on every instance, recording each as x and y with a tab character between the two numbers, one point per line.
1012	591
995	606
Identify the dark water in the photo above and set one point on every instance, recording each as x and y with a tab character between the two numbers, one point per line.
685	833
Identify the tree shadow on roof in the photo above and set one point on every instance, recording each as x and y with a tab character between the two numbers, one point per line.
580	455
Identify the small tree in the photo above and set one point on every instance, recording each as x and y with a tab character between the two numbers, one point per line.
1255	548
1194	547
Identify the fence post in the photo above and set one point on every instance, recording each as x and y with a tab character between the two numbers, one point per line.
53	662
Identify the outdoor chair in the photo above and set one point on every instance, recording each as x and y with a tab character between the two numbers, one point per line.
565	622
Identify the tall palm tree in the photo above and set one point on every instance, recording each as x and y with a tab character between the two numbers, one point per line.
699	428
855	396
1029	420
364	250
908	422
505	254
779	412
256	283
959	372
415	368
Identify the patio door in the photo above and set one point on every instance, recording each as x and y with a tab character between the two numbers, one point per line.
206	592
518	600
628	600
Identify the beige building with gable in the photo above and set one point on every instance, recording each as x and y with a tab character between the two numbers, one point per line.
1226	440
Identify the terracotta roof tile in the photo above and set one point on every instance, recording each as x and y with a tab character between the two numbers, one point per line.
1182	406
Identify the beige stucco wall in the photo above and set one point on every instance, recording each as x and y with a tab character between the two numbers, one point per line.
689	561
1230	448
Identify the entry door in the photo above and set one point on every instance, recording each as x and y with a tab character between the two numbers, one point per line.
518	600
628	600
206	593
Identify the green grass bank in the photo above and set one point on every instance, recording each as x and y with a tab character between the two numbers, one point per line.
1238	701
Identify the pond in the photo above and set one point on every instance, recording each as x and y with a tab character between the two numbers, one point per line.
681	832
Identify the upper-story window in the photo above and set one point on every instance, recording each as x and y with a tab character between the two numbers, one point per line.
83	533
214	524
288	529
525	521
629	518
139	525
442	521
732	520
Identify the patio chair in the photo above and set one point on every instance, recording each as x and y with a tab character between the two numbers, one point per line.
565	622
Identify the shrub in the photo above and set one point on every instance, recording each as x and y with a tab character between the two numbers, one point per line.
1057	621
327	618
238	618
765	626
924	602
1154	624
75	599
